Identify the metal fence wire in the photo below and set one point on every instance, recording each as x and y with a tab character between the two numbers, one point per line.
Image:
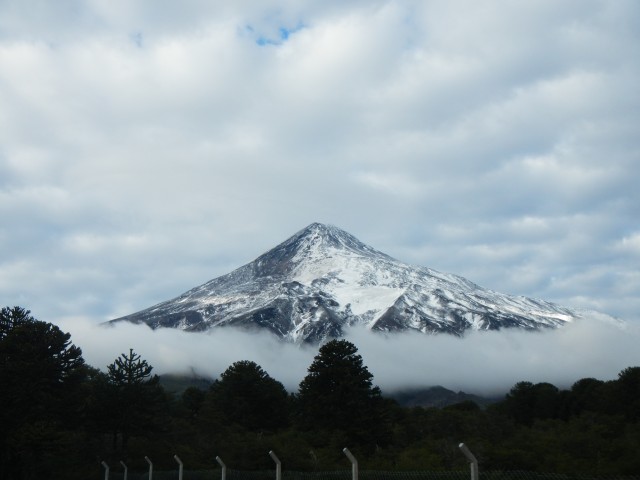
363	475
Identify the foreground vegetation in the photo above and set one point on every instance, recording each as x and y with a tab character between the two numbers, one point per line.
60	417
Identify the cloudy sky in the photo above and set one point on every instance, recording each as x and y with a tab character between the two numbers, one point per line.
147	147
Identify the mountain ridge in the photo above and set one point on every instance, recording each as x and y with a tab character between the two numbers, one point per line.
322	280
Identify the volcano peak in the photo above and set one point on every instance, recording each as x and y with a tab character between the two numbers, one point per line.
323	279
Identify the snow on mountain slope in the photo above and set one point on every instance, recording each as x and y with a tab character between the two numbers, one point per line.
322	279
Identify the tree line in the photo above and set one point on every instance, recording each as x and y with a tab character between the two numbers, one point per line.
60	417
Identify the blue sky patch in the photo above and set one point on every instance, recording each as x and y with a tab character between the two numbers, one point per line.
281	37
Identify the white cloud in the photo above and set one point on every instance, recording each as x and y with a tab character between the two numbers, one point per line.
630	243
147	148
486	362
482	362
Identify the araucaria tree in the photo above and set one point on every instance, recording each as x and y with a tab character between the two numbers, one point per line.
41	374
338	395
134	398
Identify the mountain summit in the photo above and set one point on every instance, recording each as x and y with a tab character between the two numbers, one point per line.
323	279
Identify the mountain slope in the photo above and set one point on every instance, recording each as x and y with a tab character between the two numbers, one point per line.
322	279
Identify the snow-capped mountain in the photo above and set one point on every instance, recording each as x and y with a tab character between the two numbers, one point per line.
322	279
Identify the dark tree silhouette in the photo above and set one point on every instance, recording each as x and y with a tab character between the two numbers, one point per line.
247	396
629	391
527	402
134	400
11	317
41	373
585	395
129	370
338	394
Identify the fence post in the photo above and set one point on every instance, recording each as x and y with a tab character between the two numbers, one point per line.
150	467
177	459
473	463
354	463
224	468
106	470
278	465
125	469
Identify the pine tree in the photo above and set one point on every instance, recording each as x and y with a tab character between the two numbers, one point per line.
134	400
338	395
628	386
41	373
129	370
247	396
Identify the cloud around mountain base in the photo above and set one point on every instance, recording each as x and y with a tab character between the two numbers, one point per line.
484	363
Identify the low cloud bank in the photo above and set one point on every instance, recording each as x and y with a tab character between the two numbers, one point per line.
482	362
492	362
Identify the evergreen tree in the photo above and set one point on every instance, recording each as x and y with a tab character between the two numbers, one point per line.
338	395
527	402
12	317
585	396
129	370
192	400
247	396
41	373
134	400
629	391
